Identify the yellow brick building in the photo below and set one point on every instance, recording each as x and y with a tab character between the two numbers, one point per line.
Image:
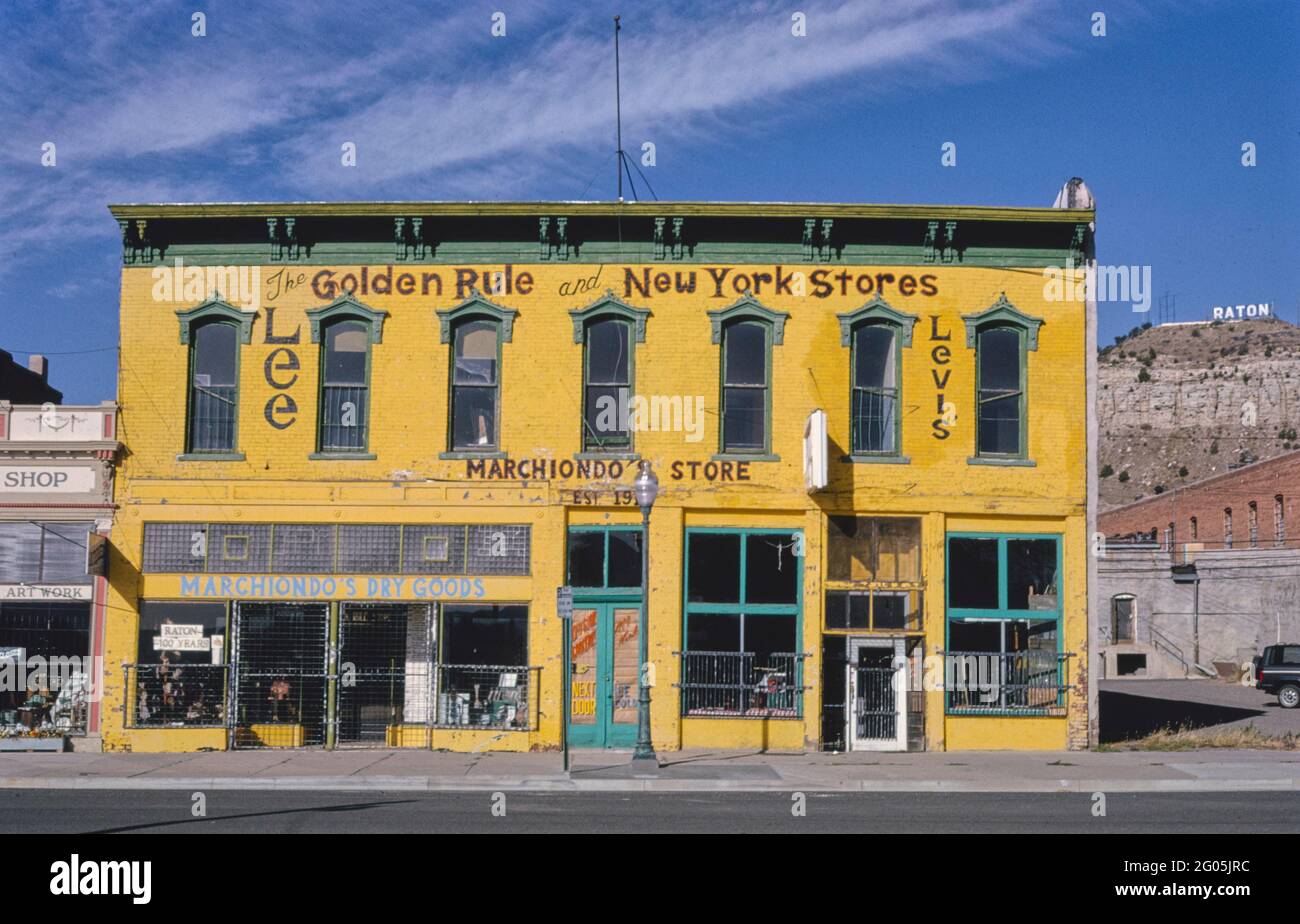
366	443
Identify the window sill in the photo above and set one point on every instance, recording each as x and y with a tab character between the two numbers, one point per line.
342	456
877	460
472	454
210	457
993	460
613	456
745	457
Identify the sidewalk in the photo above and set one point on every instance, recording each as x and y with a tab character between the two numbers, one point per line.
680	771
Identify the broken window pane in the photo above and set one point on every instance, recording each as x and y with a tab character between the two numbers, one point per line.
771	568
898	549
1031	574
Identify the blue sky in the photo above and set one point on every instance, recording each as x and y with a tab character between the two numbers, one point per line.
1152	116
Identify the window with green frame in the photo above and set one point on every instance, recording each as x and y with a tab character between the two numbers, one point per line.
743	609
1003	624
746	386
475	384
1000	372
214	387
345	385
877	385
604	557
607	377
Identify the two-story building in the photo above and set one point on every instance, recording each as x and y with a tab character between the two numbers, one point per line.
367	442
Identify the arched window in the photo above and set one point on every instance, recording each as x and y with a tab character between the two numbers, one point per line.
1002	337
213	331
746	330
345	330
214	387
609	330
875	389
475	385
1123	617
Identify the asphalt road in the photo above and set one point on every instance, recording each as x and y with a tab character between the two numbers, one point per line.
263	812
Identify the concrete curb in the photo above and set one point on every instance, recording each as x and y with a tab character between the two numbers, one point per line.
648	785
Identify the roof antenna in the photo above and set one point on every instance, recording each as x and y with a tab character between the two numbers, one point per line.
621	163
618	110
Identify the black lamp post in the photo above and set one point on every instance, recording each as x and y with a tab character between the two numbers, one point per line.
646	489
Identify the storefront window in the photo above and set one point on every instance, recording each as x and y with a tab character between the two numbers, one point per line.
483	677
874	574
180	675
742	624
605	558
999	659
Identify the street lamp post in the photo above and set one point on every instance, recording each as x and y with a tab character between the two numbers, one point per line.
646	489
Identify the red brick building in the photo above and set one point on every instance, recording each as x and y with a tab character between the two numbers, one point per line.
1243	508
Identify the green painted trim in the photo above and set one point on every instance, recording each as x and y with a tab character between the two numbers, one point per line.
859	458
477	306
1023	332
210	457
608	305
459	454
880	311
342	456
1002	314
216	309
800	210
745	457
997	460
748	308
346	306
336	317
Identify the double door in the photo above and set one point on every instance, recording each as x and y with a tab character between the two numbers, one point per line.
604	654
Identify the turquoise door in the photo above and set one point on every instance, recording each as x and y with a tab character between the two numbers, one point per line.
603	658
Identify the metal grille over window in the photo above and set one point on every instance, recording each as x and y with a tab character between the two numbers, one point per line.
740	683
236	548
167	695
385	687
280	674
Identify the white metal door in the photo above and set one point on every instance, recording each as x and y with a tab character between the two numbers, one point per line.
877	688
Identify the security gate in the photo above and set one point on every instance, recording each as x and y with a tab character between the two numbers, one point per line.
385	676
280	674
877	687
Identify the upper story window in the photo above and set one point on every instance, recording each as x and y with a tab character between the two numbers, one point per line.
346	330
214	387
1252	523
609	330
1002	337
747	331
1194	528
1227	527
214	331
1279	520
475	329
876	335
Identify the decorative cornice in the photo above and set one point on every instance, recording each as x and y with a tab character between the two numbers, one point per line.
1002	312
608	305
749	308
347	306
214	309
877	311
477	306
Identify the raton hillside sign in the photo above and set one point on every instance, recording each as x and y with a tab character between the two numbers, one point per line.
1237	312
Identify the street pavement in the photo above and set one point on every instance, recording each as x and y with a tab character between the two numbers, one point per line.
681	771
263	812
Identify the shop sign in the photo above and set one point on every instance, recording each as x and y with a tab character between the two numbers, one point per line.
46	592
173	637
48	479
270	587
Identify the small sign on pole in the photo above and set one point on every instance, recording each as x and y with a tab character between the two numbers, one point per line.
564	602
564	609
